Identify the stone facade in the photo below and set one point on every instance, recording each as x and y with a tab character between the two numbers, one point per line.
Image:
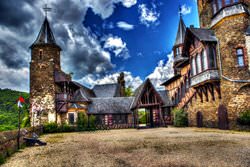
45	59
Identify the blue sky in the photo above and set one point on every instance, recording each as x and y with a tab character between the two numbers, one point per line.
99	38
147	43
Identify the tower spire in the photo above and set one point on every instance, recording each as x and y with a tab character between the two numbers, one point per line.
180	11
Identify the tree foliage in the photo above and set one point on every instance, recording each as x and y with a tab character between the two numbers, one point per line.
180	118
129	91
9	109
244	118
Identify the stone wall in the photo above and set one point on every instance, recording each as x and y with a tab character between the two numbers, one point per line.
8	140
45	59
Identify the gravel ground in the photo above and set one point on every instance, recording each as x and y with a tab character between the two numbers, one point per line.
147	147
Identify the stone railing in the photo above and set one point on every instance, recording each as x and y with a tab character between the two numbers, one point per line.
8	140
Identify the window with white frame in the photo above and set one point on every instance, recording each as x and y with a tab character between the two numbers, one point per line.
204	60
240	57
198	61
193	67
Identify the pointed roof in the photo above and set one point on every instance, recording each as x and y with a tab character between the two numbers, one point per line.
45	35
180	33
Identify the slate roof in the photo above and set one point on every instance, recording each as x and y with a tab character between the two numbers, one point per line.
110	105
75	105
45	35
180	37
170	80
165	97
203	34
248	31
83	94
106	90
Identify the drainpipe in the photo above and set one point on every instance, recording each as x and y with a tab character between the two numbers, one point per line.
221	73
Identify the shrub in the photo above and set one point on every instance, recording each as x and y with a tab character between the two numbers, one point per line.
66	128
50	127
180	118
82	121
92	125
244	118
1	159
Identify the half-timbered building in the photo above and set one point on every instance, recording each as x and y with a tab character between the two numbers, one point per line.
211	63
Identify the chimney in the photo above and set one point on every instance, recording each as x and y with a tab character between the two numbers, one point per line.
121	82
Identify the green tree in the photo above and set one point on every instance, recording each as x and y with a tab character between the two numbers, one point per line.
129	91
180	118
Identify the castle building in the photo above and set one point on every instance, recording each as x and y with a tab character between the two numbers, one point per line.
55	97
212	65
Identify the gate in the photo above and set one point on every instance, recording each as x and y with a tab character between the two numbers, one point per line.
222	117
199	119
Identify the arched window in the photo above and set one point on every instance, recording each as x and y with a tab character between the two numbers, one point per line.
204	60
193	66
240	57
40	54
198	62
186	84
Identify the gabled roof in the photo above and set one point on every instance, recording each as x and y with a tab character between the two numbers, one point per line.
203	34
83	94
180	33
107	90
248	31
139	92
45	35
110	105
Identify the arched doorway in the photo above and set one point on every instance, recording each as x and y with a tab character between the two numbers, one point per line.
199	119
222	117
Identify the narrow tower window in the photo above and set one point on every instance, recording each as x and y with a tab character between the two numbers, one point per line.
204	60
40	54
240	57
198	61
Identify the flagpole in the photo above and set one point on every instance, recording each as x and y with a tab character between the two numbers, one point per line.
18	135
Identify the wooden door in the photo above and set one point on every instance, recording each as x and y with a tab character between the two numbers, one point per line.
222	117
199	119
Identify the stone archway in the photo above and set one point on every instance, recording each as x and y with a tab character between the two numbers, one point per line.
222	117
199	119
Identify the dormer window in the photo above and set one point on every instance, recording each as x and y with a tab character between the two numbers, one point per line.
240	57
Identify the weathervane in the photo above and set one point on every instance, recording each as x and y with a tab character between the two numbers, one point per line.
180	10
46	9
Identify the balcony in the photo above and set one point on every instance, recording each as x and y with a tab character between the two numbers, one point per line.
63	97
205	76
179	58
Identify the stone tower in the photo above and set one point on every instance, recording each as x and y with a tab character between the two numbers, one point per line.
229	19
45	60
121	82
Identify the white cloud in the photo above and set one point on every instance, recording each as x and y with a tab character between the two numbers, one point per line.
131	81
129	3
117	46
185	9
148	16
124	25
162	72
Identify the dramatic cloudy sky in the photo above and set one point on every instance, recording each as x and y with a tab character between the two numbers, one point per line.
99	38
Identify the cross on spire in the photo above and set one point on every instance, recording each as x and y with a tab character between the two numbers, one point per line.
46	9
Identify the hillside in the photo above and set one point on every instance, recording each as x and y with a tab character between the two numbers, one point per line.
9	110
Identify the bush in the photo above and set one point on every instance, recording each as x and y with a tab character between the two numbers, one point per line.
82	121
244	118
1	159
180	118
92	125
50	127
66	128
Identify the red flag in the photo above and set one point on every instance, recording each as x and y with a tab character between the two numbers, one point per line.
20	100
